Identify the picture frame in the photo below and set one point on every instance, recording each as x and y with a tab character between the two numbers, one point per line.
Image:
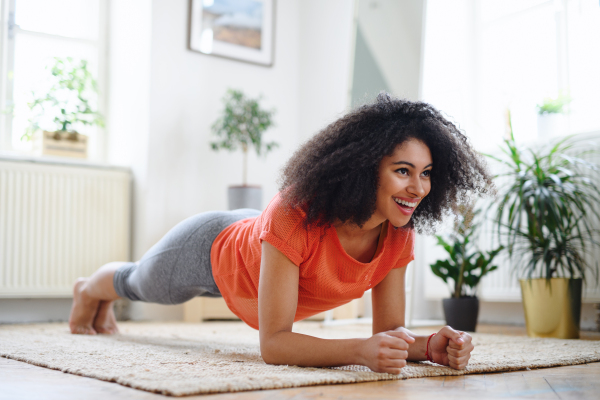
236	29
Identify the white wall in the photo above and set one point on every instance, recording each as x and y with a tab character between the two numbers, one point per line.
392	30
185	98
165	97
449	63
311	61
128	111
326	40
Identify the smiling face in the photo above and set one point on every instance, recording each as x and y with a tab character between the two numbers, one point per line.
404	180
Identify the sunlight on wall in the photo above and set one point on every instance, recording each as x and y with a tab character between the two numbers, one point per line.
482	57
448	61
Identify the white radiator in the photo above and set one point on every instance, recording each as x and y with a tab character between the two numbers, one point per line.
59	222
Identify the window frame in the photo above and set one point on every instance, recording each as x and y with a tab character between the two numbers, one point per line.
8	33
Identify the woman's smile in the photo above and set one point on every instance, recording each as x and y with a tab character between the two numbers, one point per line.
406	206
404	180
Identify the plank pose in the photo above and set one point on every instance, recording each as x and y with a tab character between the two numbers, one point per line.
344	221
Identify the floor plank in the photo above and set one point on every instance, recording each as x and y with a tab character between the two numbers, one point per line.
524	385
454	382
495	384
22	381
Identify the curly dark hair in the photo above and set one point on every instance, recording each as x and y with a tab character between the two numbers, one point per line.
335	175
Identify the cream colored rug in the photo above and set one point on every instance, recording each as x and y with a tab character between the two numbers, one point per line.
184	359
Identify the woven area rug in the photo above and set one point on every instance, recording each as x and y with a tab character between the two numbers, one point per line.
180	359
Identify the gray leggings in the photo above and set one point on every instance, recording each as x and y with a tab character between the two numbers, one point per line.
178	268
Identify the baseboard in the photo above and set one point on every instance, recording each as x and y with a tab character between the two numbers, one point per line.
18	311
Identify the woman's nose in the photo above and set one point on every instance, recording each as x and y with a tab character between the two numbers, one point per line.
416	187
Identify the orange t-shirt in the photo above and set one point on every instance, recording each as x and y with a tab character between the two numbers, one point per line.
328	276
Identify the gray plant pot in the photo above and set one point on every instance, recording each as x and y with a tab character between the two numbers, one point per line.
244	197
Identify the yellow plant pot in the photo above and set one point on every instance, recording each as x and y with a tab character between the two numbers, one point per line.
552	307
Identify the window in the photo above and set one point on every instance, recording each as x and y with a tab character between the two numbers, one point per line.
534	49
484	56
34	32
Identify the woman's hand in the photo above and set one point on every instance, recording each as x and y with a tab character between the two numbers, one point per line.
451	347
386	351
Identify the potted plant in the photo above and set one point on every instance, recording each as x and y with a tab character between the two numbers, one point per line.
463	270
62	106
547	216
241	126
551	120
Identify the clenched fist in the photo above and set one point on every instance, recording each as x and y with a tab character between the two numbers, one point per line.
451	347
386	351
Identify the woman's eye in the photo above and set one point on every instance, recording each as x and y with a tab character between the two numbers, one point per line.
427	173
402	171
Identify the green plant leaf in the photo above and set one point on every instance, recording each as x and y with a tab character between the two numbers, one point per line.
67	100
547	214
242	124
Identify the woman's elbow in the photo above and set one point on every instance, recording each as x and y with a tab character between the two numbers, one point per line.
269	353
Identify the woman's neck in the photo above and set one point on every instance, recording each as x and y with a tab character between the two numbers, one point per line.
353	231
358	242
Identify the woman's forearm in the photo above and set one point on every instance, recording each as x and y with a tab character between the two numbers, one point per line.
289	348
416	350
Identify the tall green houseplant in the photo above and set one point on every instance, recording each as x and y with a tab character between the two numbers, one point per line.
547	216
241	125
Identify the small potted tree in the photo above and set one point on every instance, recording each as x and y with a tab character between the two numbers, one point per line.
551	119
463	270
64	105
241	126
548	217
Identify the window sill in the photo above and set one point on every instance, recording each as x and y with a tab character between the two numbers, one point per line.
50	160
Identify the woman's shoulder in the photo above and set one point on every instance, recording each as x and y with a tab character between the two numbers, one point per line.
281	209
284	227
398	247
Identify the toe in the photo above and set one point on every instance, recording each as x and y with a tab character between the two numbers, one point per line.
107	330
83	330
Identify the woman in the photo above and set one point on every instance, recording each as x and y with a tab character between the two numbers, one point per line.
351	199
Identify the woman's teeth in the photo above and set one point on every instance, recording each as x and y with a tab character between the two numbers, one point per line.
405	203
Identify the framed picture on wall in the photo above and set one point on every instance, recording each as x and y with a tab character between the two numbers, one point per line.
237	29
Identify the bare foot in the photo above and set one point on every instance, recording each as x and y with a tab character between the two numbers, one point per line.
84	310
105	321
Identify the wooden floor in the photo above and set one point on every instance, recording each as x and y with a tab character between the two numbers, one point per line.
24	381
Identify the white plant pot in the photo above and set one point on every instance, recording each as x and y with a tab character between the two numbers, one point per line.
551	125
244	197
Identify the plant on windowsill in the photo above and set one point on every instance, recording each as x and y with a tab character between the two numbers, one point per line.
548	217
551	119
242	125
62	106
464	269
